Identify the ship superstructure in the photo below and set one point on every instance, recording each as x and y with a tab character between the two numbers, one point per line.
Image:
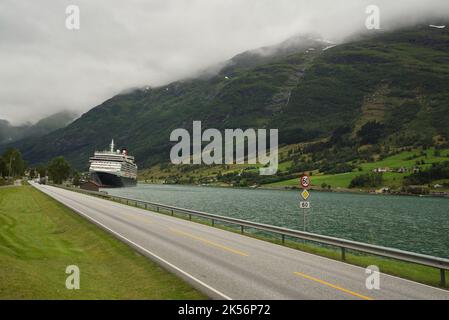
113	168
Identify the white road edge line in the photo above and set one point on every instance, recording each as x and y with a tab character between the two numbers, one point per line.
147	251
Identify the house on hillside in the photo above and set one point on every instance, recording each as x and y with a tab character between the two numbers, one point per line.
402	170
381	170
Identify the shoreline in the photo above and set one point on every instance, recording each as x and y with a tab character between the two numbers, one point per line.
295	188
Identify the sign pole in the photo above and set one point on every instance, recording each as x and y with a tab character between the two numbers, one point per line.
304	205
305	211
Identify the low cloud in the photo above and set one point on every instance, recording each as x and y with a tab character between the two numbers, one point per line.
122	44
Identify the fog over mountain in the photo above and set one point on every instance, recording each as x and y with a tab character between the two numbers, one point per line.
47	68
10	133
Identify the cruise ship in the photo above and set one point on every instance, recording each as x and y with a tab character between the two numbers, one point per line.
113	168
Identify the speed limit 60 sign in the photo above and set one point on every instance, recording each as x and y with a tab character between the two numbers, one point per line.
304	205
305	181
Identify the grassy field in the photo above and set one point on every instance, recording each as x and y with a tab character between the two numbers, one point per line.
39	238
406	159
341	180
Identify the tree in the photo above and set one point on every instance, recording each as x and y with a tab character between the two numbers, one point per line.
340	135
438	171
15	165
76	178
3	171
371	132
368	180
33	173
41	170
58	170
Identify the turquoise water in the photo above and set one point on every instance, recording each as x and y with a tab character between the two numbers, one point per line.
407	223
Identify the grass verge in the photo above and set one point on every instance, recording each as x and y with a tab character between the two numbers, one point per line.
40	237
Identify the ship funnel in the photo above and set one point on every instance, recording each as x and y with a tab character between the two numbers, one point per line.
112	145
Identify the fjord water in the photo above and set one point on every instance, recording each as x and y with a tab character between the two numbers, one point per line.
408	223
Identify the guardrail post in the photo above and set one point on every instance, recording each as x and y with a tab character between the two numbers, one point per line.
213	222
146	206
443	277
172	212
157	209
242	229
283	239
190	217
343	254
127	202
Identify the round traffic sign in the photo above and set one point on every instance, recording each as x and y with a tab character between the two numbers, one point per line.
305	181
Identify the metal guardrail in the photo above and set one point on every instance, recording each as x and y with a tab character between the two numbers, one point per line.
426	260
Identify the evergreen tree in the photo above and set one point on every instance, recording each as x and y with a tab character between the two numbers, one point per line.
59	170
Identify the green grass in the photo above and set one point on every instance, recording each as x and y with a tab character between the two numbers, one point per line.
336	180
39	238
405	159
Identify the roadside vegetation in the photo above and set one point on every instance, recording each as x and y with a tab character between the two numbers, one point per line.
11	166
39	238
403	171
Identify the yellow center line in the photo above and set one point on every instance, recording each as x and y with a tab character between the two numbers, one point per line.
333	286
140	218
136	216
209	242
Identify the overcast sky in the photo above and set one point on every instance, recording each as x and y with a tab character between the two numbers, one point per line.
45	68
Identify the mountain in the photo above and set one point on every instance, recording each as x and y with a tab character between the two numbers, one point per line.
10	133
396	82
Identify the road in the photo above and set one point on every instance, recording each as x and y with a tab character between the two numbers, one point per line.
227	265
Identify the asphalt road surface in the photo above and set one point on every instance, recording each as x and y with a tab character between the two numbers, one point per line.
225	265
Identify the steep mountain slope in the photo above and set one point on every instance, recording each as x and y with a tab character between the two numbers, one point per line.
399	79
10	133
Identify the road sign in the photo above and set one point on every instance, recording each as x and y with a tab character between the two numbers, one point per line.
305	181
304	205
305	194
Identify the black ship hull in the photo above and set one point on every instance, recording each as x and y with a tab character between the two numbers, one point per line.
108	180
